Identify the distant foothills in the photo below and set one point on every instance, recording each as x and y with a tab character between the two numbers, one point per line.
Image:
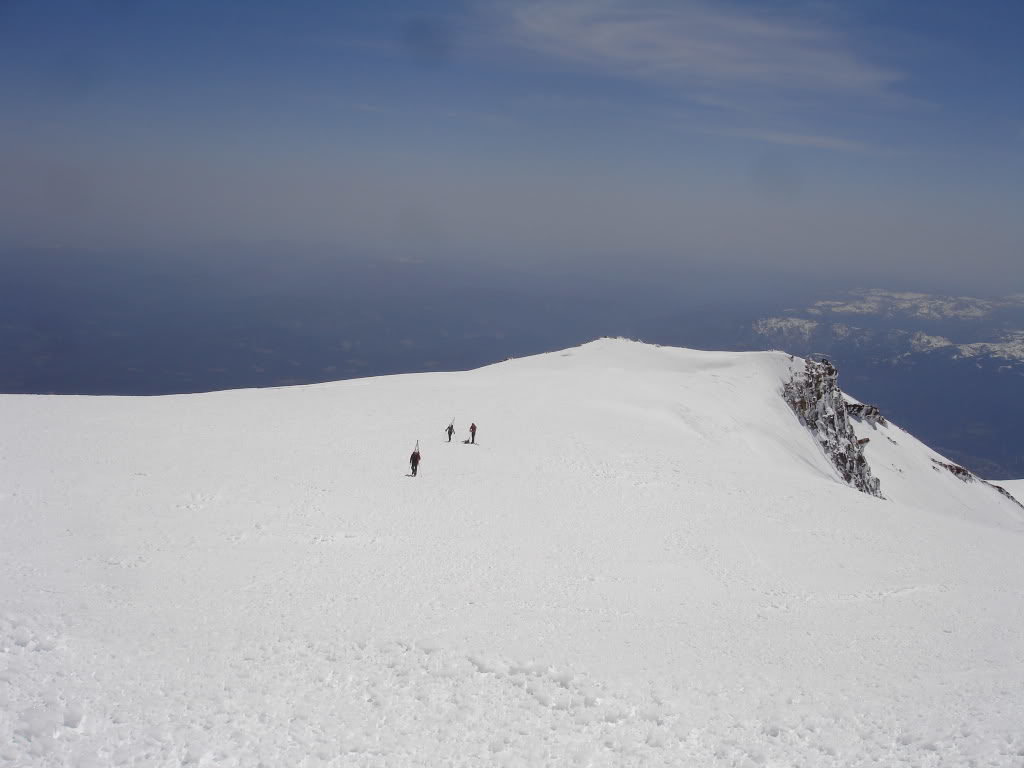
980	327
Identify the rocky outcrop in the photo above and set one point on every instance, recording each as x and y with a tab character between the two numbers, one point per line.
969	477
864	412
1004	492
956	470
815	397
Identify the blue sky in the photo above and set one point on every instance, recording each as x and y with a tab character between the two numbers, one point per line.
807	135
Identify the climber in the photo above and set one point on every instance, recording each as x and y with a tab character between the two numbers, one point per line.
414	460
450	431
472	433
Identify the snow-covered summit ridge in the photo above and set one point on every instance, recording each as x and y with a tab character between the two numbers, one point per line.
723	406
646	560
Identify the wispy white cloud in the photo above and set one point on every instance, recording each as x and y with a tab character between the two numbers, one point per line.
804	140
698	43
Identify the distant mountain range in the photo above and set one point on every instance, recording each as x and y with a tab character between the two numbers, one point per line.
949	367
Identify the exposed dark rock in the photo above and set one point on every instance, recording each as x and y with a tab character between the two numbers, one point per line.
864	412
815	397
969	477
1005	493
964	474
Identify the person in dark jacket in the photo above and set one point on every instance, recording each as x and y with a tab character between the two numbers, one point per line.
450	431
414	461
472	433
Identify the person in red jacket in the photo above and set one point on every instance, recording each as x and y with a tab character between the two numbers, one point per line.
472	433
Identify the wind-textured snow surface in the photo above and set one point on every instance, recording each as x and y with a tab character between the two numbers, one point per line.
646	561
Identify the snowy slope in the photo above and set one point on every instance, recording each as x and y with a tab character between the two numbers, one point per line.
646	561
914	474
1016	487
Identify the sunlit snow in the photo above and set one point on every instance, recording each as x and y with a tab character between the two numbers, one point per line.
645	561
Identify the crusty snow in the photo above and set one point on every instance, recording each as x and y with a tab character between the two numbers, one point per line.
646	561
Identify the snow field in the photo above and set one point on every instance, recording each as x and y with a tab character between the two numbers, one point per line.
646	561
294	702
1016	487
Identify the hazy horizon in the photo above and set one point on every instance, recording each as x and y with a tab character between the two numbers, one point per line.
560	135
200	196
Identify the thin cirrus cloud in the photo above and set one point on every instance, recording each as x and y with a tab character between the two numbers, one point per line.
699	43
805	140
764	75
